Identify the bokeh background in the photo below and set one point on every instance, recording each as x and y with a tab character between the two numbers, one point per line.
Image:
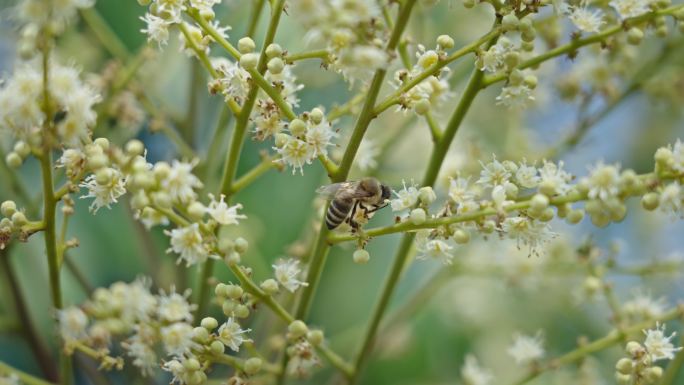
472	311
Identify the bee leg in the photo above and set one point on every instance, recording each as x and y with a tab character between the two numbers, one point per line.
376	208
354	225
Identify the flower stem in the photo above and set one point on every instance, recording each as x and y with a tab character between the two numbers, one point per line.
254	17
322	54
104	33
24	378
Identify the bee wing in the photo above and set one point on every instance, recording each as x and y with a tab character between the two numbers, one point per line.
331	190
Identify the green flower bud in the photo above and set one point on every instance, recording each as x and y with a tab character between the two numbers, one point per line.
221	290
200	334
135	147
104	176
191	364
13	160
246	45
297	128
249	61
234	291
527	46
270	286
512	59
468	3
241	245
22	148
361	256
461	236
623	379
418	216
575	216
226	245
634	349
426	195
228	308
207	14
600	219
241	311
653	374
7	208
316	115
209	323
162	199
528	35
19	219
530	81
516	77
624	366
253	365
539	202
650	201
280	140
546	215
635	36
232	258
196	210
161	170
445	41
276	65
217	347
315	337
273	50
422	107
297	329
488	226
510	22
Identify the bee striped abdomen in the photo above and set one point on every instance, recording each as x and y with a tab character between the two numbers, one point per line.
337	212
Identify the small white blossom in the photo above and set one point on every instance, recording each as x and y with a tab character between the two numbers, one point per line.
174	307
493	59
234	80
460	190
296	153
473	374
644	306
359	62
603	181
181	182
288	85
72	324
303	358
231	335
527	349
320	137
143	355
189	244
177	338
222	213
499	198
286	272
104	194
151	217
585	20
433	248
672	199
527	232
494	174
554	178
526	176
678	156
406	198
658	345
177	370
157	29
630	8
515	96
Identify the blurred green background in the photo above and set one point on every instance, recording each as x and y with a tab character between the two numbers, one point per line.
470	314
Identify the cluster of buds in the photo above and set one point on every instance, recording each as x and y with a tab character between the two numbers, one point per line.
14	224
639	368
301	349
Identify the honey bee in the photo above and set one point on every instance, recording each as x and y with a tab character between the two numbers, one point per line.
354	202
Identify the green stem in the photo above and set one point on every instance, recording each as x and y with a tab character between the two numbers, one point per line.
273	93
253	174
23	377
254	17
104	33
322	54
209	29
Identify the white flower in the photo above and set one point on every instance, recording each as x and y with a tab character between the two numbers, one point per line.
231	335
584	19
181	182
72	324
234	79
603	181
554	178
499	198
222	213
473	374
107	193
303	358
177	370
493	59
189	244
678	156
528	232
151	217
288	85
433	248
174	307
515	96
143	355
286	272
406	198
296	153
526	176
527	349
157	28
139	303
658	345
644	306
630	8
172	9
459	190
177	338
367	154
359	62
493	174
672	199
320	136
267	125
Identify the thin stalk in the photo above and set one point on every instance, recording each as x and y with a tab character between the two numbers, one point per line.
273	93
253	174
23	377
254	17
322	54
104	33
194	88
206	167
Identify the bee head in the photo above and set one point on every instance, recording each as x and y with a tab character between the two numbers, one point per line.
386	192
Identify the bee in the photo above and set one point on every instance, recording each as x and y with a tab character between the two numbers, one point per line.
354	201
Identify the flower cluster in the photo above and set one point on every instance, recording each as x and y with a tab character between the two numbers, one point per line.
307	139
639	367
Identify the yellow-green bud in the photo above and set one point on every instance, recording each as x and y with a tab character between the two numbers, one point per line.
516	77
232	258
161	170
273	50
592	285
19	219
575	216
422	107
162	199
468	3
103	143
200	334
445	41
539	202
624	366
234	291
13	160
207	14
221	290
635	35
104	176
22	148
546	215
209	323
196	210
276	65
623	379
426	195
241	245
246	45
650	201
510	22
461	236
270	286
634	349
191	364
297	128
653	374
241	311
297	329
316	115
226	245
530	81
315	337
8	208
249	61
280	139
418	216
135	147
488	226
228	308
361	256
253	365
217	347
